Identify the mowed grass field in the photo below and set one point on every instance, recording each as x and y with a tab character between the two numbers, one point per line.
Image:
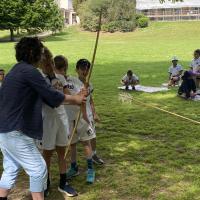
148	154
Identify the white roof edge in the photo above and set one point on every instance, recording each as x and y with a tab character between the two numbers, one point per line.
155	4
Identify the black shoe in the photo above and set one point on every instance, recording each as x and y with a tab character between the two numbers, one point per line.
133	87
46	192
126	88
97	160
68	190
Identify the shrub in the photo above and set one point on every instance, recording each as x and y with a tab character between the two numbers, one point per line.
139	15
110	27
143	22
126	26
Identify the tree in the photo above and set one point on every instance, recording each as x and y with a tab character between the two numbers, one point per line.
76	4
42	15
118	15
11	13
32	15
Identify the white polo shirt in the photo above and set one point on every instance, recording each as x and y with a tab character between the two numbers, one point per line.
74	85
174	71
195	65
131	80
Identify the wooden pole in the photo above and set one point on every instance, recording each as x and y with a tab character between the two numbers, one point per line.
86	84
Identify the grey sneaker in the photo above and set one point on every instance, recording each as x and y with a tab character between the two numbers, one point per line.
68	190
97	160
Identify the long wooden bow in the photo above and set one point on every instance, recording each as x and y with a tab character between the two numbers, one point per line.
87	83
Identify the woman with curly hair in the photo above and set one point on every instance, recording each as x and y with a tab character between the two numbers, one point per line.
21	96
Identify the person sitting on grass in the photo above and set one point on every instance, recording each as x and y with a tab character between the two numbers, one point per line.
55	127
2	74
175	72
187	89
130	79
195	67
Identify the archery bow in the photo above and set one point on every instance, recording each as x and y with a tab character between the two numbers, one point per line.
86	84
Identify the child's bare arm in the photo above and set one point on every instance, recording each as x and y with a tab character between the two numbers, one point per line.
84	113
96	117
66	91
170	75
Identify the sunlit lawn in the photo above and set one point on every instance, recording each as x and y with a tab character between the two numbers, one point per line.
148	154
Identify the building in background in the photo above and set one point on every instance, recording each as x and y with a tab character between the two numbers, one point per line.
168	11
68	12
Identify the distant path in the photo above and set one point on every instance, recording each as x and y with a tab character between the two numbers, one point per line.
16	38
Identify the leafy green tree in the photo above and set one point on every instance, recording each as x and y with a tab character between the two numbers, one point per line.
32	15
56	21
76	4
42	15
118	15
11	14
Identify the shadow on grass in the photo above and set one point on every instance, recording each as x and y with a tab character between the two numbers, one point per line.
147	153
62	36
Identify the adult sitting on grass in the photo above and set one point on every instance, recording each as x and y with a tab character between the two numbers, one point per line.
21	96
175	72
187	90
130	79
2	74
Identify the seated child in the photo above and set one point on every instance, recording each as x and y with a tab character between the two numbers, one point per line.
130	79
188	88
195	67
2	74
175	72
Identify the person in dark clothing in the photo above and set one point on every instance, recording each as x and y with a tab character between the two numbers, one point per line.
188	87
21	96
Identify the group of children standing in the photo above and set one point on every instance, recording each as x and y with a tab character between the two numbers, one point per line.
58	123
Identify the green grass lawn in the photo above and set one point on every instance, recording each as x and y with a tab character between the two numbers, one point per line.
148	154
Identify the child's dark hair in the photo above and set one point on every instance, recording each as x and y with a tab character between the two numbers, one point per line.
197	51
29	49
83	63
129	72
2	70
60	62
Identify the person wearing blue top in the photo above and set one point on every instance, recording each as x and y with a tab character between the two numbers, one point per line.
21	96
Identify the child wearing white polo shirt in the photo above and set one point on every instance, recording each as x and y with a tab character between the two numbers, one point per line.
175	72
55	127
86	129
195	66
130	79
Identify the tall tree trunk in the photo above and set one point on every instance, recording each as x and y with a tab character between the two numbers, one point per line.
11	35
18	31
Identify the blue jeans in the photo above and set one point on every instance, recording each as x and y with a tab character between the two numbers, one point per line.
19	151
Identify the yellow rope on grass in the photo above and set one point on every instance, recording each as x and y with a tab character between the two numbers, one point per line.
129	97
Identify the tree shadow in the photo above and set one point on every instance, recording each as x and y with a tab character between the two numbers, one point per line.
146	151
